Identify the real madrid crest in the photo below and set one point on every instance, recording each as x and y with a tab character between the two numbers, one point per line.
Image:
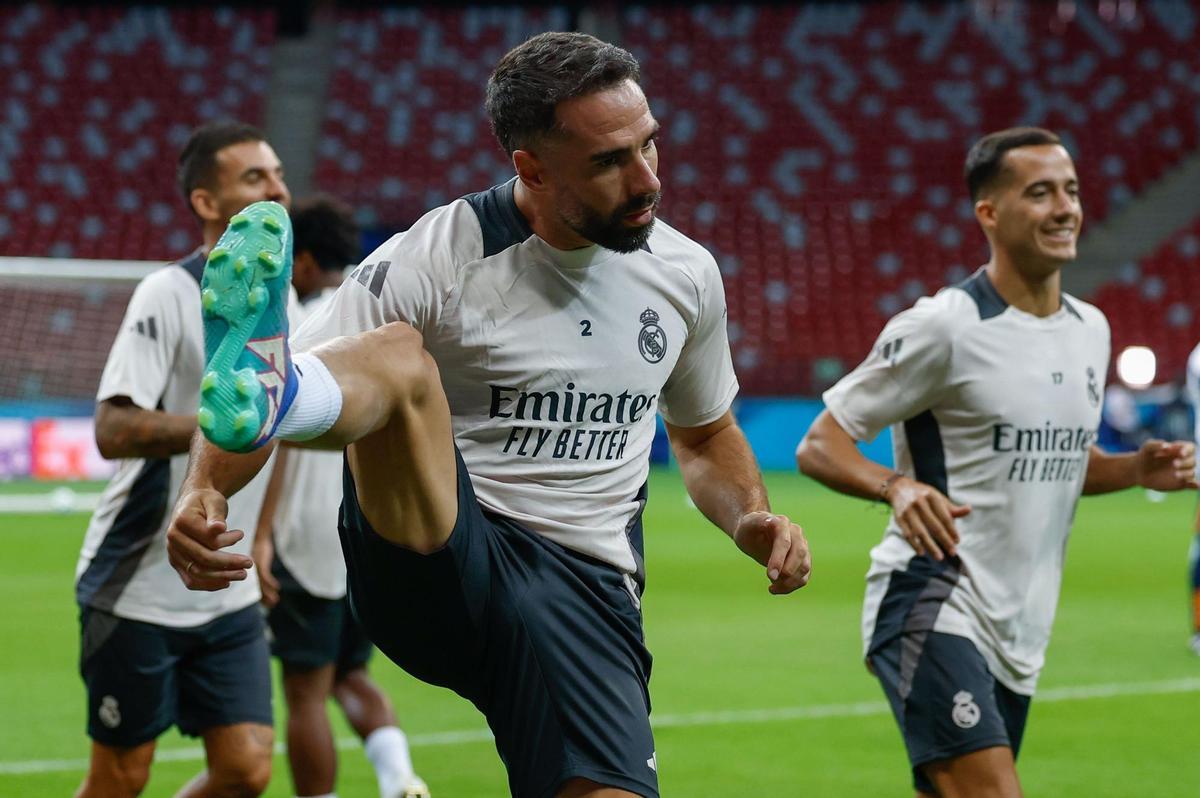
652	341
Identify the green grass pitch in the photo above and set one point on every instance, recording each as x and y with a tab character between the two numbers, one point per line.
753	694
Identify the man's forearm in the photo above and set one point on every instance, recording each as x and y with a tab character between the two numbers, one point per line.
1110	472
225	472
722	477
126	430
828	454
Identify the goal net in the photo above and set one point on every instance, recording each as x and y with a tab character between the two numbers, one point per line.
58	321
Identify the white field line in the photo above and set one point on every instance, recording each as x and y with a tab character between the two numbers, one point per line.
662	721
55	501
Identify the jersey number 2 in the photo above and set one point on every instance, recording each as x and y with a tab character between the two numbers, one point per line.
586	332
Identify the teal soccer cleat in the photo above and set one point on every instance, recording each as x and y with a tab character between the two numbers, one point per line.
248	382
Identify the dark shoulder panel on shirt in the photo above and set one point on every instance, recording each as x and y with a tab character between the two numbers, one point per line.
500	220
987	298
193	264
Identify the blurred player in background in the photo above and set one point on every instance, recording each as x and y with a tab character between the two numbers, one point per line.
994	389
152	653
495	373
298	558
1193	393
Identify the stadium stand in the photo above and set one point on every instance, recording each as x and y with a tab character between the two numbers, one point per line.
816	151
97	102
404	129
1156	302
819	150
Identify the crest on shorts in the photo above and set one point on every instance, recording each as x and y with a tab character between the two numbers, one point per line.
1092	388
652	341
109	712
966	712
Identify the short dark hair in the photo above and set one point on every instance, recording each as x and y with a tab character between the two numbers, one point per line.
533	78
985	161
198	160
324	227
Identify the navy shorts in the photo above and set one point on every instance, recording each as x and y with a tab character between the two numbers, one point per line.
547	643
141	677
945	699
309	632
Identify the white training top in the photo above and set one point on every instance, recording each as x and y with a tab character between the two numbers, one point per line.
157	360
997	409
306	515
554	362
1193	387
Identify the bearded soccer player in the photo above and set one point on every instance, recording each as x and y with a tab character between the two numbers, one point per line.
155	655
993	390
495	374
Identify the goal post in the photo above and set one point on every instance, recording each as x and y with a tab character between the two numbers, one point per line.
58	319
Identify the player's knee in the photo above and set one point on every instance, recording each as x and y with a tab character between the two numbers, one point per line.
408	367
242	775
118	775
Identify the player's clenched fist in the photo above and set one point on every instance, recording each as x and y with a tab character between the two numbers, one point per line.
776	542
195	539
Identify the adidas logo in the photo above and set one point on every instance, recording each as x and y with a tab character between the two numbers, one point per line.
372	276
146	327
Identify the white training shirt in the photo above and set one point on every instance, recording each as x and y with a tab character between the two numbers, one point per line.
998	409
554	362
1193	388
306	515
157	360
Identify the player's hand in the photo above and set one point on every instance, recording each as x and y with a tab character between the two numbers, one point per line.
263	552
1166	466
926	517
777	543
195	539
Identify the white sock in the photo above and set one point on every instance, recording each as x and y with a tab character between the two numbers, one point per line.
317	404
387	748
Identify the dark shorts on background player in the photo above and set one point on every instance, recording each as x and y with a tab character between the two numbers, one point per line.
310	632
546	643
141	678
945	699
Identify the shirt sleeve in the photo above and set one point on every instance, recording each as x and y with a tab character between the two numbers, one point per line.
903	376
140	360
408	278
702	385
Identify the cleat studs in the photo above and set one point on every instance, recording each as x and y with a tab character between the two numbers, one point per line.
239	266
247	384
208	383
208	299
270	261
206	419
247	419
218	254
239	221
273	225
257	297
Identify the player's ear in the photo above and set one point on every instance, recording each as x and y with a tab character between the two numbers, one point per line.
985	213
530	170
204	203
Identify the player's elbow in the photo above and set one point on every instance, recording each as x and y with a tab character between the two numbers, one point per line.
111	440
806	455
112	430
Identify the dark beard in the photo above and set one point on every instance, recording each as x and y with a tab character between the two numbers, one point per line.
611	232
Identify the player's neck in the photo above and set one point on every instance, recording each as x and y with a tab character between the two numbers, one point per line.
1037	295
545	224
211	234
